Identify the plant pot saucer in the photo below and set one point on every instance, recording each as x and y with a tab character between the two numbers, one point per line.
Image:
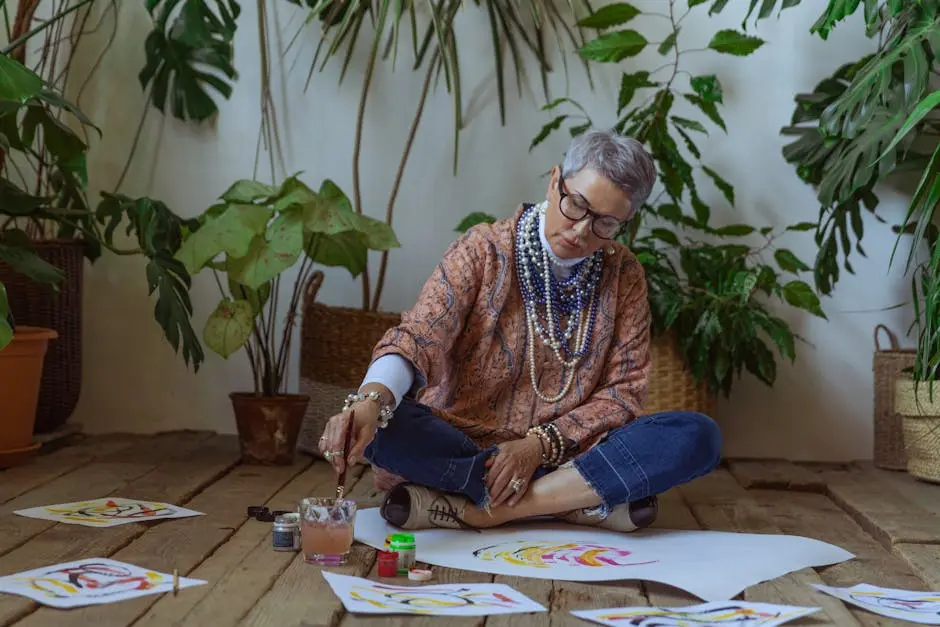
18	456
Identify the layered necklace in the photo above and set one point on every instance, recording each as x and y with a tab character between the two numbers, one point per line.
575	297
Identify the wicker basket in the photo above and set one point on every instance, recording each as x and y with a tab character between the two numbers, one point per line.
337	345
921	425
36	304
887	365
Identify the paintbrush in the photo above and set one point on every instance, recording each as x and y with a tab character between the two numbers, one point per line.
341	480
176	581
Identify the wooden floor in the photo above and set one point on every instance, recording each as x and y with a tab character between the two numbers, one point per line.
890	521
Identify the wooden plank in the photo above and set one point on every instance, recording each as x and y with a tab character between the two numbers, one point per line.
243	568
721	504
923	559
815	516
181	544
575	595
44	468
883	512
174	481
778	474
301	596
109	476
924	494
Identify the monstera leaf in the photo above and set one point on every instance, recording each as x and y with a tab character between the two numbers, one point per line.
186	54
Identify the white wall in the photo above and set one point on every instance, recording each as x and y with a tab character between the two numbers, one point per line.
821	407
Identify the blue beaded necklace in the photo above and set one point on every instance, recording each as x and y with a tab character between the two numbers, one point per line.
575	297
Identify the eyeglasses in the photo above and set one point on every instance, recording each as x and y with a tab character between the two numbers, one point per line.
576	209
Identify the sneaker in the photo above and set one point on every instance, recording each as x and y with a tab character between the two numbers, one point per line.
414	507
623	518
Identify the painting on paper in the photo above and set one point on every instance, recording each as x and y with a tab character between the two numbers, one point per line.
107	512
471	599
712	565
91	581
909	605
714	614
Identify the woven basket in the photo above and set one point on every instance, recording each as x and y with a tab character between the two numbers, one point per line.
337	345
887	365
36	304
921	426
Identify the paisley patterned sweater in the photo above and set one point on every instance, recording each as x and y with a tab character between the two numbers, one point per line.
467	339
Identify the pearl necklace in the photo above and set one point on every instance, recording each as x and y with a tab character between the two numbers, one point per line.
532	260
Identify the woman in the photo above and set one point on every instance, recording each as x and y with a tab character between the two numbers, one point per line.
514	388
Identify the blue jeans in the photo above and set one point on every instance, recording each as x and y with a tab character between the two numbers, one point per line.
645	457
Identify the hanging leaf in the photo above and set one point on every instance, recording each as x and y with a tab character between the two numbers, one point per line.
473	219
614	47
188	54
229	327
17	82
629	84
708	87
610	15
728	41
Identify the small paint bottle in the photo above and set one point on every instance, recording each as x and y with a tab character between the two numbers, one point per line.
404	545
286	532
388	564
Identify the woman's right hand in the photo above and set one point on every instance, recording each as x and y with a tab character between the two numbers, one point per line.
364	427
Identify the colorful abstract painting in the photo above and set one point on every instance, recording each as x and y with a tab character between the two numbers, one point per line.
91	581
715	614
472	599
712	565
549	554
909	605
107	512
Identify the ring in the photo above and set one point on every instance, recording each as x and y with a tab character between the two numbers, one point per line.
331	454
322	438
516	484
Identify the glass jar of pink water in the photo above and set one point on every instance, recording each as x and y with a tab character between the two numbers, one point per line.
326	530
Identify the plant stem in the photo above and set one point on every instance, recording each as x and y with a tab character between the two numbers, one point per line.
360	121
380	283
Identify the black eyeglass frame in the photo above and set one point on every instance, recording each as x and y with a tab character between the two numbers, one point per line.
562	194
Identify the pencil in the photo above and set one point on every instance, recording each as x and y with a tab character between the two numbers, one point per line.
176	581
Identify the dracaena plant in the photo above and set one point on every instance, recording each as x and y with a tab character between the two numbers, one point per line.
249	239
711	286
32	131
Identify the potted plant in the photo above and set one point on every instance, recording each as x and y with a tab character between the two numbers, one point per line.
22	352
249	240
708	284
874	121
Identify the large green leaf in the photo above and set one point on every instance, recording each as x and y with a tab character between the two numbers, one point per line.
247	191
341	250
614	47
896	78
610	15
729	41
17	82
270	254
231	232
229	327
25	261
186	53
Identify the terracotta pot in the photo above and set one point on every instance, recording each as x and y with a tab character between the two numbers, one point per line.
268	426
21	364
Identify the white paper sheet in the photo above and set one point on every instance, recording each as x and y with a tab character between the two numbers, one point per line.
712	565
107	512
715	614
467	599
90	581
911	605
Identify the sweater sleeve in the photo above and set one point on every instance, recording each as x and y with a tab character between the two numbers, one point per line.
621	394
429	330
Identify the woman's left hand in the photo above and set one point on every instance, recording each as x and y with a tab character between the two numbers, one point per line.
516	461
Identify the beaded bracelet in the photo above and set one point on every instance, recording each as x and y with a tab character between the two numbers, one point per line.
550	439
385	411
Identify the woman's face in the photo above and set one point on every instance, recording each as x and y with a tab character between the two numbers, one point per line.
582	194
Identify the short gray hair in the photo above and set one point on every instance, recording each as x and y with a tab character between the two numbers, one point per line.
623	160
